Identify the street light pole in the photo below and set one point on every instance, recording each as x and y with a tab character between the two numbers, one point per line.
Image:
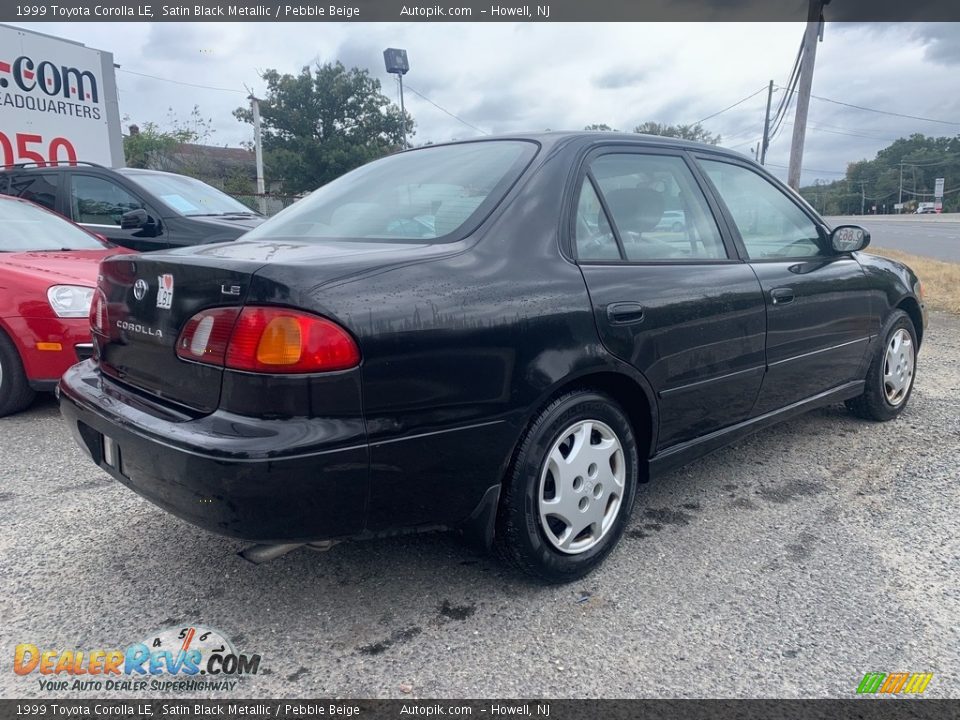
403	112
396	63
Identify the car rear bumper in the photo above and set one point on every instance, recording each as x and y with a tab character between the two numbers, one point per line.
291	480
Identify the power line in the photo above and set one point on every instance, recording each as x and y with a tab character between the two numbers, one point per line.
875	110
730	107
925	163
821	128
945	192
784	105
442	109
180	82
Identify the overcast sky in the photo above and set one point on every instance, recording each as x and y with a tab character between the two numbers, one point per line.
514	77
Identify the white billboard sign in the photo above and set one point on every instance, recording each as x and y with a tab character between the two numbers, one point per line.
938	188
58	101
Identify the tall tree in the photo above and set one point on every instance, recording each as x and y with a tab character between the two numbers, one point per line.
602	127
695	132
324	122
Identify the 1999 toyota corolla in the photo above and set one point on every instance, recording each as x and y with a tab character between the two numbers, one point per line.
499	336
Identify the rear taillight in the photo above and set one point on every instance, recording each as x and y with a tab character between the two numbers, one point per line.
267	340
98	312
205	336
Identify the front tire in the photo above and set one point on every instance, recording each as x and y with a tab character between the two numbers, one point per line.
891	374
571	488
15	392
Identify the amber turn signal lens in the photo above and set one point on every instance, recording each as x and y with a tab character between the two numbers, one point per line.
281	342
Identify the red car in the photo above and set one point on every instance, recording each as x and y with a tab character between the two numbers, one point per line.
48	272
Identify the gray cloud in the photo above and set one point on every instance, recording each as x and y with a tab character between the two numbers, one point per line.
941	42
618	78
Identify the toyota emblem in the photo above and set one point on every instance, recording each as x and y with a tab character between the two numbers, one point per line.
140	289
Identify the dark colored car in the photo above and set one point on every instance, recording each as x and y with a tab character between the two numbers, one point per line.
487	335
138	209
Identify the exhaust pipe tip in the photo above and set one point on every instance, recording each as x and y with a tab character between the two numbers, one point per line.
259	554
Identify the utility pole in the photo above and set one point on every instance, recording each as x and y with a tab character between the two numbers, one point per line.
863	199
811	37
258	152
766	126
900	199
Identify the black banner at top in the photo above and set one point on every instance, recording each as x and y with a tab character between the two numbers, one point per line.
475	11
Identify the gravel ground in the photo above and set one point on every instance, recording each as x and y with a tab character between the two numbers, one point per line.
787	565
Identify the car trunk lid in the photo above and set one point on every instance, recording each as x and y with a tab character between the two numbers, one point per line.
150	298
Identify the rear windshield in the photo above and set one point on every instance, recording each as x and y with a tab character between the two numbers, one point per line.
423	195
28	228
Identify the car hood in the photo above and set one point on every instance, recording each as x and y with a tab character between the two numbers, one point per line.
78	267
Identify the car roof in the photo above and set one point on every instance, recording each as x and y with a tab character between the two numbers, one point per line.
85	167
554	138
133	172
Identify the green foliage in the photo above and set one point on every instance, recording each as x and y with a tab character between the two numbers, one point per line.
695	132
877	182
602	127
152	140
324	122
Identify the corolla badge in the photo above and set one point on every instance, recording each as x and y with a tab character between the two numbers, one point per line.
140	289
139	329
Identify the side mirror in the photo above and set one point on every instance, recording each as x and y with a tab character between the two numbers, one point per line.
134	219
849	238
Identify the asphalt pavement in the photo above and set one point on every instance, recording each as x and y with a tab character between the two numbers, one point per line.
787	565
930	235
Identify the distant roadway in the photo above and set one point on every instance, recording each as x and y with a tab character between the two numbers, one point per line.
935	236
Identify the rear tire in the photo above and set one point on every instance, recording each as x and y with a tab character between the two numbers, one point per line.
890	377
571	488
15	392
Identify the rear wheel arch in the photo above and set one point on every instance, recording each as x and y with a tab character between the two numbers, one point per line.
630	392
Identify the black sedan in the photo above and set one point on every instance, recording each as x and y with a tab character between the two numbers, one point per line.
497	336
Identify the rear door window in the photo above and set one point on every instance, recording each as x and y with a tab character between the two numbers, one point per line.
656	208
